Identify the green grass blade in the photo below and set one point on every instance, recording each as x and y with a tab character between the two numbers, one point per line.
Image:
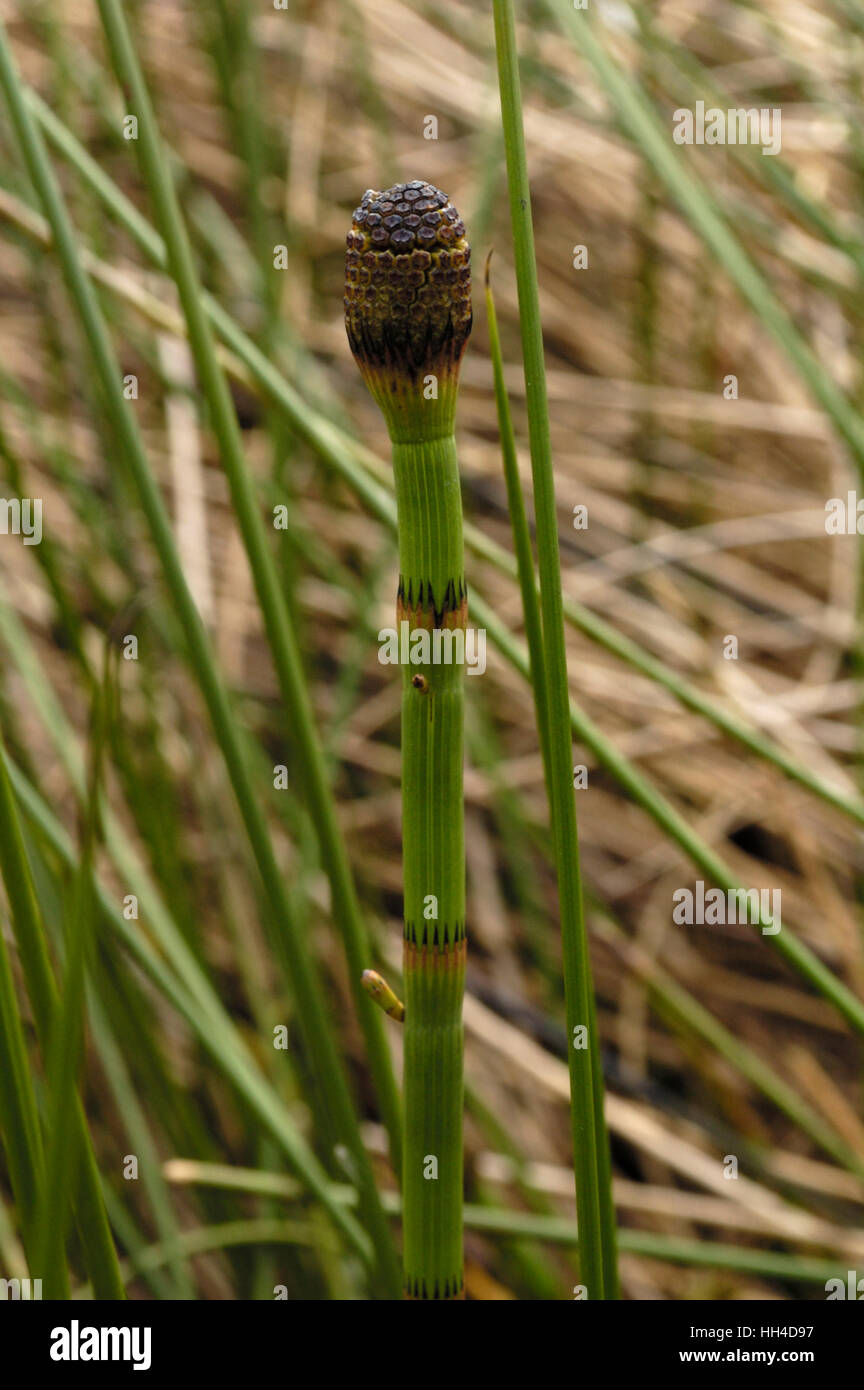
590	1142
19	1121
688	1016
172	967
521	534
774	172
534	635
496	1220
96	1237
672	1000
137	1127
703	212
186	989
798	1269
330	1093
353	465
277	620
646	795
67	1035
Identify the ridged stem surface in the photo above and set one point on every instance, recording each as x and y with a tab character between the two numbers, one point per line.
432	601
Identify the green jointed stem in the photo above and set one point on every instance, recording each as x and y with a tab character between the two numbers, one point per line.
430	562
408	316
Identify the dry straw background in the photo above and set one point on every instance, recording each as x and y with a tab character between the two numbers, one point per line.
706	518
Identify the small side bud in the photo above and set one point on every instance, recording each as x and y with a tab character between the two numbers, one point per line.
378	989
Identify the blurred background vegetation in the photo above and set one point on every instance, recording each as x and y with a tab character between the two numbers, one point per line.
706	519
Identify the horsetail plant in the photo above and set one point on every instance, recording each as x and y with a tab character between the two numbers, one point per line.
408	317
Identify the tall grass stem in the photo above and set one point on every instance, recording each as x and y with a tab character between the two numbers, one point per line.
590	1142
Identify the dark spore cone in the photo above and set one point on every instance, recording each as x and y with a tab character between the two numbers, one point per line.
407	286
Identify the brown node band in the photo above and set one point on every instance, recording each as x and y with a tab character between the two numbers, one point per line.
448	957
417	604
